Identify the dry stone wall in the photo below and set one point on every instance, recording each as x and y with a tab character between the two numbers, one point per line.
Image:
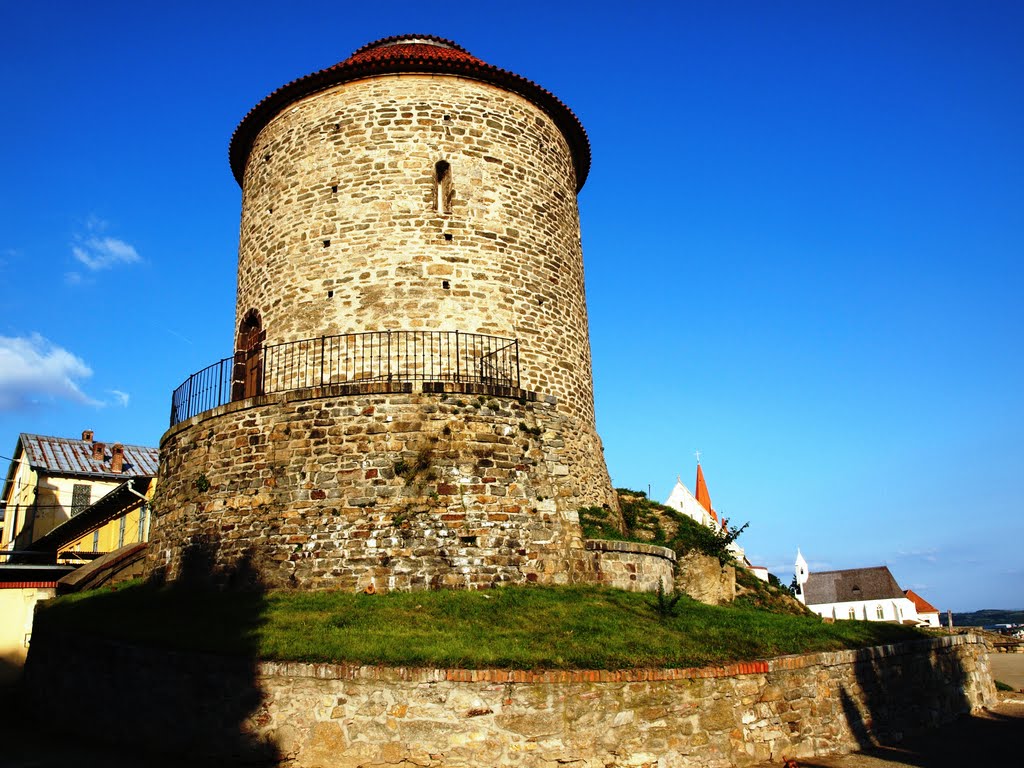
338	716
380	487
341	229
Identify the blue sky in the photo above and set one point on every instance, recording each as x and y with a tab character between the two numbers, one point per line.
803	233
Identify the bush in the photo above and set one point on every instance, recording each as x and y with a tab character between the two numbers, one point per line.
652	523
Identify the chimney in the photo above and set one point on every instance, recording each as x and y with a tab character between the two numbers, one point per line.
116	458
87	435
98	451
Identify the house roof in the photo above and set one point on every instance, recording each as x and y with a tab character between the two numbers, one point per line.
113	504
922	605
65	456
851	586
409	54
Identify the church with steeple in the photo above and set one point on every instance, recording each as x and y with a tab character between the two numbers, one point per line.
697	506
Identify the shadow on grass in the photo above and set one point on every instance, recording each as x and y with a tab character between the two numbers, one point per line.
194	706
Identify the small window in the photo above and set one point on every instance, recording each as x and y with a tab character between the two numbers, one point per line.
120	533
96	540
879	613
81	498
853	613
444	191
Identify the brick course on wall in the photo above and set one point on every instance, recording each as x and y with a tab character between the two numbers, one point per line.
335	715
359	487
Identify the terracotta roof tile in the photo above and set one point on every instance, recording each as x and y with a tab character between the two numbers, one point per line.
922	605
702	494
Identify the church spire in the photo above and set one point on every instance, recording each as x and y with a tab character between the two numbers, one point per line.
703	497
802	572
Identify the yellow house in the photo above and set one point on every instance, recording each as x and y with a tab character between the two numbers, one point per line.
17	607
53	479
121	517
67	502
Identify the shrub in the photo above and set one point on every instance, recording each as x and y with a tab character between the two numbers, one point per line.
652	523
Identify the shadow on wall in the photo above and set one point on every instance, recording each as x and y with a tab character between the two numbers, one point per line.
989	739
186	704
10	672
892	697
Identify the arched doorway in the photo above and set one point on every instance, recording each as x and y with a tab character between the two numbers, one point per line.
248	373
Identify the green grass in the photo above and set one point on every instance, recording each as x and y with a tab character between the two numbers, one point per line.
652	523
512	627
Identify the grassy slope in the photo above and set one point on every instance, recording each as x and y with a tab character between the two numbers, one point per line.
653	523
526	628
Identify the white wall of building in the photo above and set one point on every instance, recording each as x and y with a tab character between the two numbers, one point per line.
887	609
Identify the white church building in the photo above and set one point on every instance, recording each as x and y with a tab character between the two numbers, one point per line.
868	594
698	507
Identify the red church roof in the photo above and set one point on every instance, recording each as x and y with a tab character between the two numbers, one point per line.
703	497
418	54
922	605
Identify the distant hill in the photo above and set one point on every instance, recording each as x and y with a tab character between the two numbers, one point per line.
987	618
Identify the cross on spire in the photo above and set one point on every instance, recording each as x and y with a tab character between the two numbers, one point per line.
697	454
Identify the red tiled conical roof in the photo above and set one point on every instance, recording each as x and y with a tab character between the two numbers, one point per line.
703	497
409	54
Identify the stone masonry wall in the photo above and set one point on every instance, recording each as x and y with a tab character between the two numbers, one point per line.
338	716
632	566
356	486
341	231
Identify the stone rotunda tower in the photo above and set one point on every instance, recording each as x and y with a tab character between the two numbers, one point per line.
409	403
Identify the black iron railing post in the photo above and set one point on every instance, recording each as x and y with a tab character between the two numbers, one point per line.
322	338
389	354
515	345
458	359
188	393
220	383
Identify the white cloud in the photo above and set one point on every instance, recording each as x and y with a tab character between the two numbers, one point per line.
104	252
98	251
33	369
121	397
929	555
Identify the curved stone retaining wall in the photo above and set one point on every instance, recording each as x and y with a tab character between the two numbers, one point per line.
631	566
326	715
389	486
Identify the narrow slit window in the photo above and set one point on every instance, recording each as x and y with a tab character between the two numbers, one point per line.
443	189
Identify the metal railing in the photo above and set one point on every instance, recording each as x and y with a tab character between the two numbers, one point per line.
354	358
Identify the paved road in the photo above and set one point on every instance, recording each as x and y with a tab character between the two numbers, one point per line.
1009	668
